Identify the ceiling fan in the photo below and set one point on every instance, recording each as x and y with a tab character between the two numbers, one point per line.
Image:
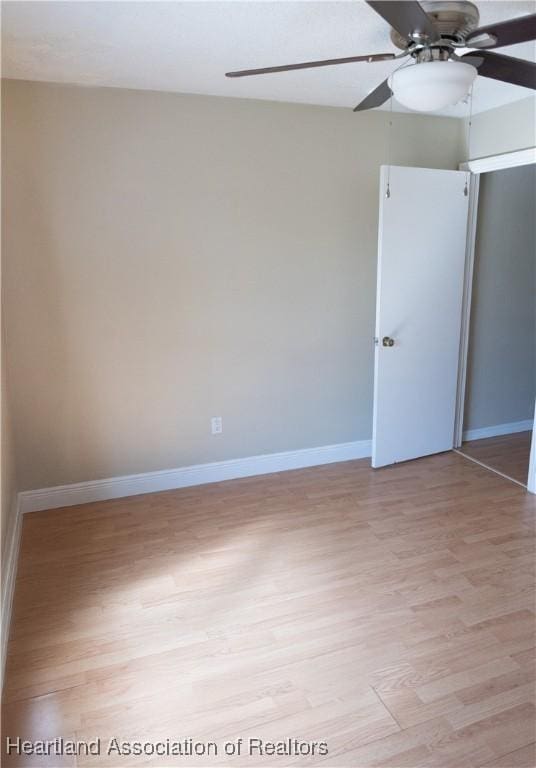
430	33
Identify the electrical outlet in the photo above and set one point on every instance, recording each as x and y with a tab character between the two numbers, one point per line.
216	425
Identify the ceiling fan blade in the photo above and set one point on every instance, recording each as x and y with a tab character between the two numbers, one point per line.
376	98
510	32
505	68
408	18
311	64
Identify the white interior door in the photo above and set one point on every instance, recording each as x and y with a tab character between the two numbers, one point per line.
421	260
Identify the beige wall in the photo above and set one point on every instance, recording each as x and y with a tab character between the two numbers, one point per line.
172	258
8	486
501	383
505	129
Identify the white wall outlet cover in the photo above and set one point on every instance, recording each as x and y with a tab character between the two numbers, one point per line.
216	425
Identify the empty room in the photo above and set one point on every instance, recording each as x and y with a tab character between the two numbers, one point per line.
268	471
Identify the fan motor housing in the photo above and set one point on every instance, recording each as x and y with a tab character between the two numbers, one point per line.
453	20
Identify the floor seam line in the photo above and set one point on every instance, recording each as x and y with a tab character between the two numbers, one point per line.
382	702
490	469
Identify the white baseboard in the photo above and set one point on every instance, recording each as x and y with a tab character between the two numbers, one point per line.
9	574
199	474
498	429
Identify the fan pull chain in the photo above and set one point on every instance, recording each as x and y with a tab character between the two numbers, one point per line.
469	126
390	133
388	190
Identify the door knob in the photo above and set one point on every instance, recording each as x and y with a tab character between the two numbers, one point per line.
387	341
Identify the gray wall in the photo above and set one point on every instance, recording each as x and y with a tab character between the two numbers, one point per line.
501	383
504	129
170	258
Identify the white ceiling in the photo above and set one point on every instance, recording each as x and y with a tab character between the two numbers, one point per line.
187	46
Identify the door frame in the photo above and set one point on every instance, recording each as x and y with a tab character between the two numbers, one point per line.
475	168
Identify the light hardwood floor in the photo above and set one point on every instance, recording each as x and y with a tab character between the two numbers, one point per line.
509	454
389	613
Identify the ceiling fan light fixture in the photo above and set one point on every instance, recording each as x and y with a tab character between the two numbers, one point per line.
432	85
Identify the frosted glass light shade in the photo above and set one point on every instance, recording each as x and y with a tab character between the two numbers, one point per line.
432	85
